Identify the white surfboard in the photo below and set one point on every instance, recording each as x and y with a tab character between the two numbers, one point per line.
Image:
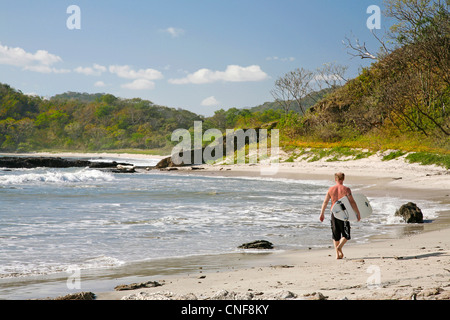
343	210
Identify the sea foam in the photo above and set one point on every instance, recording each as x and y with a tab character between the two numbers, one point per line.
84	175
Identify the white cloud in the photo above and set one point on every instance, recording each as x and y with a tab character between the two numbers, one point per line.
40	61
128	73
99	84
174	32
210	101
19	57
275	58
45	69
233	73
142	78
140	84
95	70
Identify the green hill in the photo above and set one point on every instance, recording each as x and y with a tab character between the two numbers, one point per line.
80	121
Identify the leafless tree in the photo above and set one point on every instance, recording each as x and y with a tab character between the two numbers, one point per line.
331	75
293	87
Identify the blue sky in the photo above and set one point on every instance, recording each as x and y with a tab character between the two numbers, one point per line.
200	55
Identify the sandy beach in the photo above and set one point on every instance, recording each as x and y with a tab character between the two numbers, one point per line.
413	264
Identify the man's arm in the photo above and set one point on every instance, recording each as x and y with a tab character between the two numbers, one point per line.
324	206
354	206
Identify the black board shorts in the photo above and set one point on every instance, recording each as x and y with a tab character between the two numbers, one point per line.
340	229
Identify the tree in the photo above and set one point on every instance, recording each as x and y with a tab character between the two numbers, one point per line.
423	29
293	87
412	17
331	75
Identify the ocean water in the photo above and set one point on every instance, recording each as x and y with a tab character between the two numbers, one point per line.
52	220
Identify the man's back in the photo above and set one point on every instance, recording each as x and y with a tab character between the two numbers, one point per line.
337	192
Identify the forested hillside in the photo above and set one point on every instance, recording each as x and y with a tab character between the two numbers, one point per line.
75	121
402	100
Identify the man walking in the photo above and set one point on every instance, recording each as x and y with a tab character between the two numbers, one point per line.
340	229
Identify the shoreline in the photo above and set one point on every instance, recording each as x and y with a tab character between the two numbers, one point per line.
413	263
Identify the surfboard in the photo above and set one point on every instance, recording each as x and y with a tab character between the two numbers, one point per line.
343	210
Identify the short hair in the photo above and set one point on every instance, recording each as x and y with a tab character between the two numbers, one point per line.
339	176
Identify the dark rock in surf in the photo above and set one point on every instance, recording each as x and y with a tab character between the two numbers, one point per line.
258	244
134	286
114	164
410	213
36	162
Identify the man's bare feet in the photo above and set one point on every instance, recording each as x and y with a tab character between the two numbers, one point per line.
339	253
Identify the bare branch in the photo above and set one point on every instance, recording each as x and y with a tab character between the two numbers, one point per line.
359	50
331	75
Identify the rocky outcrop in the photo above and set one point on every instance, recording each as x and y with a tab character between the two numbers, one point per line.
35	162
258	244
410	213
57	162
168	162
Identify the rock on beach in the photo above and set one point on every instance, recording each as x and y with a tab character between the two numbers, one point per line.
410	213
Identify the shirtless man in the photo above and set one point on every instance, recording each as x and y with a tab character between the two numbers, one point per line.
340	229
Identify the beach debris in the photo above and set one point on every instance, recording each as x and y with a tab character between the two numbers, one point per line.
258	244
316	296
159	296
219	295
282	266
410	213
226	295
134	286
432	292
436	293
284	295
169	169
78	296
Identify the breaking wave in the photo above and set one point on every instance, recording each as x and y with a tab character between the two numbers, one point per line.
84	175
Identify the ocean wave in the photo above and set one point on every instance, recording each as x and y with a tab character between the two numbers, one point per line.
319	183
84	175
17	270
